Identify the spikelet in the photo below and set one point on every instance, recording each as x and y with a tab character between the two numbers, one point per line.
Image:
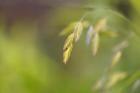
68	41
99	84
78	31
85	24
68	29
121	46
118	52
68	46
95	43
67	53
116	58
136	85
89	35
101	24
115	78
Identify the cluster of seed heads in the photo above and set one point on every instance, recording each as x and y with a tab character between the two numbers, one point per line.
75	30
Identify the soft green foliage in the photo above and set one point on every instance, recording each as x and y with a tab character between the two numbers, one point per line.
31	56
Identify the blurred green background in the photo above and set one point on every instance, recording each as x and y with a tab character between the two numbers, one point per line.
31	50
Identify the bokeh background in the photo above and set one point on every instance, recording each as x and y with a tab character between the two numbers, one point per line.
31	50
